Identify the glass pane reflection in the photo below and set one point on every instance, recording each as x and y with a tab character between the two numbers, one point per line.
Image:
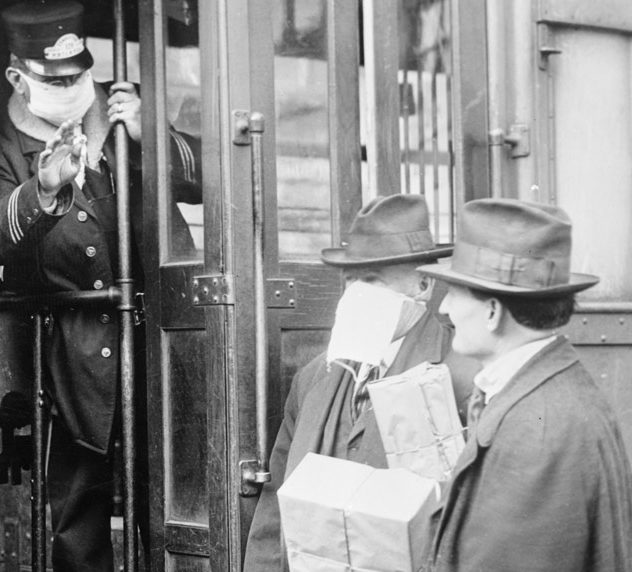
183	113
303	186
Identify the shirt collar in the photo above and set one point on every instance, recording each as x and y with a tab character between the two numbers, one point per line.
385	363
496	375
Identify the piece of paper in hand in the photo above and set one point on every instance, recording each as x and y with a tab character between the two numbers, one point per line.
418	420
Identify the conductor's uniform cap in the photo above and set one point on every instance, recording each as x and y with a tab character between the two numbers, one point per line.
47	35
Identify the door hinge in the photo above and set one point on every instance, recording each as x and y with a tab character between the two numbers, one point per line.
213	290
281	293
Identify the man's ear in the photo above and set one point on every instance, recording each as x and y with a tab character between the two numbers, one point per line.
426	286
495	313
15	79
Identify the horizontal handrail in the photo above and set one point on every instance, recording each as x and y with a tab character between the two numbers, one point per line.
33	302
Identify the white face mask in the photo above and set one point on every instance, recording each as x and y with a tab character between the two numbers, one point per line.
368	319
55	103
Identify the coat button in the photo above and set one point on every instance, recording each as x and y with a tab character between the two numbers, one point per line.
106	352
91	251
82	216
105	318
98	284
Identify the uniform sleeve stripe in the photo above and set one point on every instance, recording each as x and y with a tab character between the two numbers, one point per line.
186	155
12	214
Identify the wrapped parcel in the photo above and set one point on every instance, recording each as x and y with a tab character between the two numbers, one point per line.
338	515
418	420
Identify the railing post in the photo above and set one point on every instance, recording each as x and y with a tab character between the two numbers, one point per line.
38	484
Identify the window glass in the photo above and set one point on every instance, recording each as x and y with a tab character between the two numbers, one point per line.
302	132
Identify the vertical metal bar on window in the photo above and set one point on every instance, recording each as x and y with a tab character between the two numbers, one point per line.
450	166
422	125
435	153
405	112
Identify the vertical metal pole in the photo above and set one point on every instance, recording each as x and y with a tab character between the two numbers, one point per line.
126	308
38	485
262	473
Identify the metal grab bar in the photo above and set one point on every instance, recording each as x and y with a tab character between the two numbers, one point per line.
126	307
33	303
261	474
38	485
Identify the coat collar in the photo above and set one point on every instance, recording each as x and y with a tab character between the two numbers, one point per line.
553	358
95	125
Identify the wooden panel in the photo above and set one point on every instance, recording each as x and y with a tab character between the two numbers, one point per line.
177	309
187	539
318	289
615	14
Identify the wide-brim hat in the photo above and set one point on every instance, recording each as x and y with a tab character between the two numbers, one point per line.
388	230
512	247
48	36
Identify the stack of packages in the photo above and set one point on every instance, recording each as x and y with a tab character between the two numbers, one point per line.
343	516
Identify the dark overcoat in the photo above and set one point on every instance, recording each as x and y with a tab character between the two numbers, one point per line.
544	485
75	248
310	424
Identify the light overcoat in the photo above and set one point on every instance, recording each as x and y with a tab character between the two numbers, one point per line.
544	485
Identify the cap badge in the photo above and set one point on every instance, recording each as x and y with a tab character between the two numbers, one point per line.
66	46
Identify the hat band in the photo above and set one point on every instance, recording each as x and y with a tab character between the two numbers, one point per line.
509	269
367	246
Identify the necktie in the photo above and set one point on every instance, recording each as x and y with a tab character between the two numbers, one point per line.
361	399
475	407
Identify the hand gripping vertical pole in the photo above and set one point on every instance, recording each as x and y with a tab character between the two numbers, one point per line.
126	307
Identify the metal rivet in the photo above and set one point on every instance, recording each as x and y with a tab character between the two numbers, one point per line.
292	302
584	321
40	393
291	284
215	282
196	300
40	403
28	535
603	337
205	290
277	293
196	283
622	321
215	299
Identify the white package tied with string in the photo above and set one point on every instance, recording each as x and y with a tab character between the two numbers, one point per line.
418	420
338	515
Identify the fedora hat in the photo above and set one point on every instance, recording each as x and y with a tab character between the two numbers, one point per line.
511	247
48	36
388	230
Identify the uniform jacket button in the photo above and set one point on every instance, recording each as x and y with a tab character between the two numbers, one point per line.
106	352
82	216
105	318
91	251
98	284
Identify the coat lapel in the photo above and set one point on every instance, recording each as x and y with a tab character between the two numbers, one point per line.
314	412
